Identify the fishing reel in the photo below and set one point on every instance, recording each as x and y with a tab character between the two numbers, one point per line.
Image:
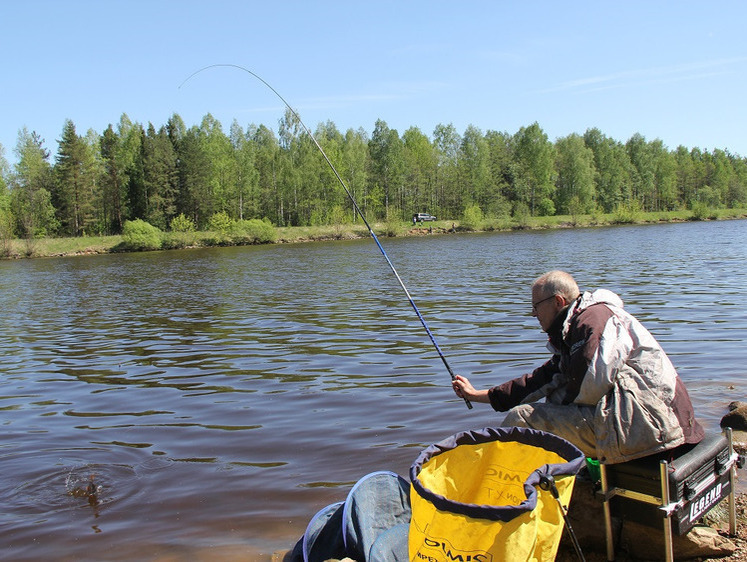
547	483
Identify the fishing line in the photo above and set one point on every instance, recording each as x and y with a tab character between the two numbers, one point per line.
352	200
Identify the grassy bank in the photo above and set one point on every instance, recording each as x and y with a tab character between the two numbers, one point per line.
57	247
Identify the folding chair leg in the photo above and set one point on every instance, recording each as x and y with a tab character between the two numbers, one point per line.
668	546
607	514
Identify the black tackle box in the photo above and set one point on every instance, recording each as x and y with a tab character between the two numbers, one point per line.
698	480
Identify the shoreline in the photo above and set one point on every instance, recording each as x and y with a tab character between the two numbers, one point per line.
98	245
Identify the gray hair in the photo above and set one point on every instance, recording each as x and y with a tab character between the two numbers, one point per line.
557	283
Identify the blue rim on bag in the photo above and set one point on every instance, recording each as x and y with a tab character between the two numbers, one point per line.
575	460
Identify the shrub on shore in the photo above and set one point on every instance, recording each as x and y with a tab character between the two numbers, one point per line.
182	233
473	218
702	212
627	213
224	231
252	231
140	235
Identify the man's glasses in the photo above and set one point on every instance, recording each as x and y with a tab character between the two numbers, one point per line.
536	304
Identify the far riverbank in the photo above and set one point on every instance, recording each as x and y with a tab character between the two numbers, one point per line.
91	245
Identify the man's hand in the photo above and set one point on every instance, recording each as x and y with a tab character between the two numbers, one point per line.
464	389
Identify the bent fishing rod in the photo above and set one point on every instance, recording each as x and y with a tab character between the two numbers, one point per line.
352	200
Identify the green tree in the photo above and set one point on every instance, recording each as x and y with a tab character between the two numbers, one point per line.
137	193
6	217
159	177
387	169
194	198
329	195
419	172
703	169
4	173
721	175
736	196
267	153
74	181
129	160
113	183
535	159
175	129
501	162
303	175
291	186
643	174
474	169
95	165
221	189
355	167
613	182
687	179
446	142
246	180
575	175
665	178
31	186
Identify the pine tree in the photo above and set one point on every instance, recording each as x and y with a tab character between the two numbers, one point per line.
73	183
113	183
159	177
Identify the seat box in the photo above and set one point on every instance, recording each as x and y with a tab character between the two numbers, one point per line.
698	480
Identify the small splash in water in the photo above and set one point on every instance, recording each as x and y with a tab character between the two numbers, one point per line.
90	491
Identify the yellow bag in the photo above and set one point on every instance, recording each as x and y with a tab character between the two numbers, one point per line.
475	496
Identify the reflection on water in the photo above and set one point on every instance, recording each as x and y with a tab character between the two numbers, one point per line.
220	397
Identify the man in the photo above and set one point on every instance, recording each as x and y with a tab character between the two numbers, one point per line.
609	388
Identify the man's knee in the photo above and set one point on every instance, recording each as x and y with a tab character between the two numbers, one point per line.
572	423
518	416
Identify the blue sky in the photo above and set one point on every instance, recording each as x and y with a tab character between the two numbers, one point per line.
676	71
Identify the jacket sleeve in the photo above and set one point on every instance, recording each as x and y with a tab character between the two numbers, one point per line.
512	393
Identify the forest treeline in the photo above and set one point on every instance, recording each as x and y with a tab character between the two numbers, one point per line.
186	176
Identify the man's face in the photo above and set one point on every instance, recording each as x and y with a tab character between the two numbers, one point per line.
546	307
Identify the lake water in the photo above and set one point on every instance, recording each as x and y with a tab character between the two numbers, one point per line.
220	397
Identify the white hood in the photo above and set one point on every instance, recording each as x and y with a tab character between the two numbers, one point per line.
589	298
600	295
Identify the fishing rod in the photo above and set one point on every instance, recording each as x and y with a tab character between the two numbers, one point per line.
547	483
352	200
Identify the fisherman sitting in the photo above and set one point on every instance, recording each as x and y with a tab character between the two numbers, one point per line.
609	388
